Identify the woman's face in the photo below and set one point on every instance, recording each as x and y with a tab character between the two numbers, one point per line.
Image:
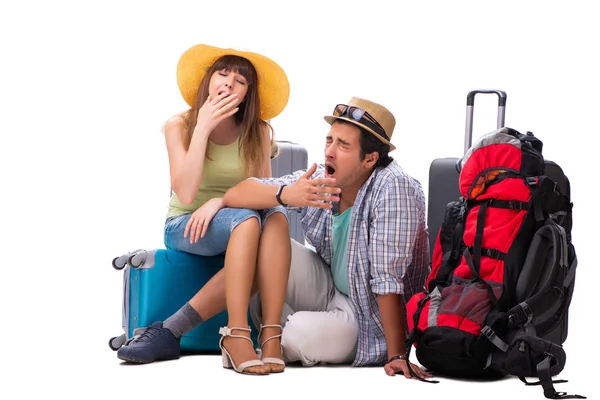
229	82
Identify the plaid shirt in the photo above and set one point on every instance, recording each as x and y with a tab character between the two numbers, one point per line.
388	248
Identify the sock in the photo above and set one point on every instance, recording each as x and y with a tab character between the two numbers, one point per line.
183	321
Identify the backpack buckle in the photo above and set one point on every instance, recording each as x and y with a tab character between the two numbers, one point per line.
516	205
531	181
521	316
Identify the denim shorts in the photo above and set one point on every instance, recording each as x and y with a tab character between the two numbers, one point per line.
218	233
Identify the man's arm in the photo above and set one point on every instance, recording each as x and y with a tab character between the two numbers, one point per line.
394	229
301	190
392	317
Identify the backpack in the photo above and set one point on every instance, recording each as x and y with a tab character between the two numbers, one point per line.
503	268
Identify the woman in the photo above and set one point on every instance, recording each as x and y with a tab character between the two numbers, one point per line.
223	139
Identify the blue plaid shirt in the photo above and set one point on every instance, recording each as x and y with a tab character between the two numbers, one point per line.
388	247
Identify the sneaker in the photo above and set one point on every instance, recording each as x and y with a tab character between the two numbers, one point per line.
155	343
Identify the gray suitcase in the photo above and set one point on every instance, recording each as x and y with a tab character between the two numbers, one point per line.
292	157
443	172
443	187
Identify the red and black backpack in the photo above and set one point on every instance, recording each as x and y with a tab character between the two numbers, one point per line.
503	268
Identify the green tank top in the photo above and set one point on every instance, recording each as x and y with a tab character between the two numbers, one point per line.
224	171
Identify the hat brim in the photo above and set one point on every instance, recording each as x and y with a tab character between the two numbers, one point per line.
331	119
273	84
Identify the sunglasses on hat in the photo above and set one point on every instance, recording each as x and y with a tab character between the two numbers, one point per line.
359	115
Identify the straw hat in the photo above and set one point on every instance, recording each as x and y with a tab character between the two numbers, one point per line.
381	114
273	85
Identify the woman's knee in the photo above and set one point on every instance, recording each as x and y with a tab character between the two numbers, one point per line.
274	215
248	219
278	218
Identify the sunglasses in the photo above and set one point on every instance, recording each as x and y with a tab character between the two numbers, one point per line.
359	115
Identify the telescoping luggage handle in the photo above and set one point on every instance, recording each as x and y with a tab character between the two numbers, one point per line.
470	103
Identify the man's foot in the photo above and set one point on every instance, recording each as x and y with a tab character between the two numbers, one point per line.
156	343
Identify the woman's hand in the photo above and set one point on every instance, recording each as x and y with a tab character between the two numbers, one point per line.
198	223
213	111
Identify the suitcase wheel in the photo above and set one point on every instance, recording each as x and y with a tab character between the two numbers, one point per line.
116	342
137	259
119	263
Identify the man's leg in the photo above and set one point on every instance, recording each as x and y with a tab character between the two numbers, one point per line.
319	323
329	336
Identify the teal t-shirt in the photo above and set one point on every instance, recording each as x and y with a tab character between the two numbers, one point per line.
339	261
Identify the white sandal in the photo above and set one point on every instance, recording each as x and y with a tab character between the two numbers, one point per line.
228	360
271	360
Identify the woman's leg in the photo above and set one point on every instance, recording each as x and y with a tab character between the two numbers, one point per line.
240	268
210	299
274	256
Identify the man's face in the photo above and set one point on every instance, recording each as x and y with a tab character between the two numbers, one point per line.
342	156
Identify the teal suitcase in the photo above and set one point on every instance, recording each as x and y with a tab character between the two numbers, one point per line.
157	283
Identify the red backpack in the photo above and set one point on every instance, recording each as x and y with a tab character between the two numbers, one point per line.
503	268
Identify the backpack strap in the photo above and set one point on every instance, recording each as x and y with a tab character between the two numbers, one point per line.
545	277
451	234
543	371
414	336
476	277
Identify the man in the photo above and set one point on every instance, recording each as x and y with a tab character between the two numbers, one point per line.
365	218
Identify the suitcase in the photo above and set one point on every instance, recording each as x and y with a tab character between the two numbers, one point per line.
157	283
443	186
292	157
444	172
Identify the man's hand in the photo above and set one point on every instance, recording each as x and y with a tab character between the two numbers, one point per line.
307	192
400	366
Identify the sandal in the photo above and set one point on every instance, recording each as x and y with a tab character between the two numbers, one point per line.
276	364
228	360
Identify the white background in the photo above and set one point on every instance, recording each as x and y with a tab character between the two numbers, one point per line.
85	87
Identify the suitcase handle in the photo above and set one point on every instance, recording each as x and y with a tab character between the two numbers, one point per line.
470	103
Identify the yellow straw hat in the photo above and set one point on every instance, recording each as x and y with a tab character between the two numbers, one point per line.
273	85
354	112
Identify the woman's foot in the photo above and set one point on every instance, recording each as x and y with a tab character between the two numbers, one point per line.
271	352
238	351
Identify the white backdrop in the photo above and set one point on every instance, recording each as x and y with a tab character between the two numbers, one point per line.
86	86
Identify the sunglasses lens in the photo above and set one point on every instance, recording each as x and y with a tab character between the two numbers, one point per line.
357	114
339	110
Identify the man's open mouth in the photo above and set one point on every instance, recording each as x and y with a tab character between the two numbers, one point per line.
330	170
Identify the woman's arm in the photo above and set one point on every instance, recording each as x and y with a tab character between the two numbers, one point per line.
266	170
185	166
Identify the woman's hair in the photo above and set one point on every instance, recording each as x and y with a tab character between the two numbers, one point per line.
248	115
